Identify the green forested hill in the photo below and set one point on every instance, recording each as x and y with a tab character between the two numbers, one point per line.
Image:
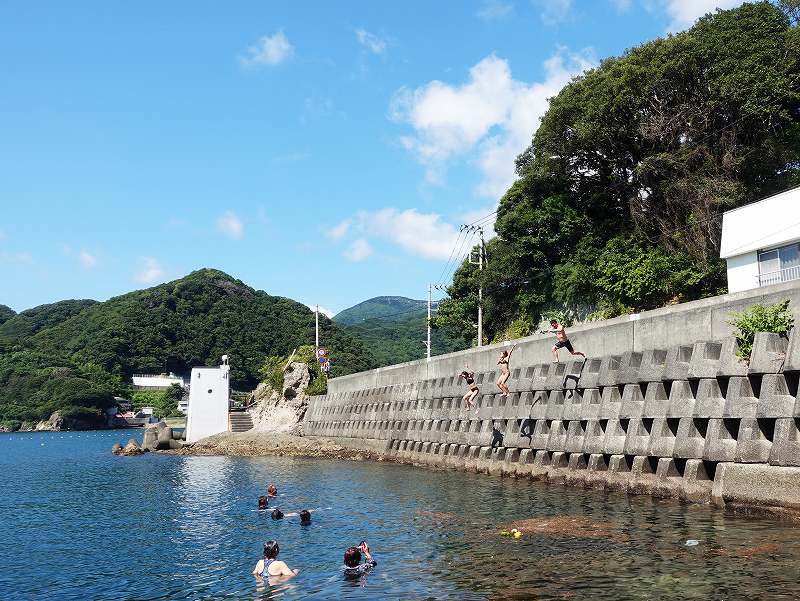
6	313
83	359
31	321
393	328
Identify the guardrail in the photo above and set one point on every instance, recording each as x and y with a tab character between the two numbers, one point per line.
777	277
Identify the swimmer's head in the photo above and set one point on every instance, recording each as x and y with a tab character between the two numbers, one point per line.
263	502
271	549
352	557
272	490
277	514
305	517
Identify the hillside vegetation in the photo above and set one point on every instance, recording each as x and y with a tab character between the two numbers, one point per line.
619	199
73	356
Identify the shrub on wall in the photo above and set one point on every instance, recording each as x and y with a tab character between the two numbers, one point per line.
775	318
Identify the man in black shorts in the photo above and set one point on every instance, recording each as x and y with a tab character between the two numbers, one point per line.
562	340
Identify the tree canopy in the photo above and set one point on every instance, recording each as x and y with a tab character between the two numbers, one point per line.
618	203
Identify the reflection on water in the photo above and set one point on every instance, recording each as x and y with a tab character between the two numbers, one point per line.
79	523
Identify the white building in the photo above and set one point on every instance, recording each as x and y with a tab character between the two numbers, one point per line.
209	393
157	382
761	242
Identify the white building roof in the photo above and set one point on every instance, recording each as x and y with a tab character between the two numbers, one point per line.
770	222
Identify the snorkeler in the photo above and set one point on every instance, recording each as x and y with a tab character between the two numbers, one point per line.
263	502
305	517
270	566
469	378
272	490
505	357
352	560
277	514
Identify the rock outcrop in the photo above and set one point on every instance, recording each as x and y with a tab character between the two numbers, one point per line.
132	448
283	411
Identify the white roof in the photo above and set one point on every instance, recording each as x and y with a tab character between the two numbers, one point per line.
770	222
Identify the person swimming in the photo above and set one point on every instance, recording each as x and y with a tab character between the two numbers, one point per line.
272	490
305	517
270	566
277	514
263	502
352	560
469	378
503	361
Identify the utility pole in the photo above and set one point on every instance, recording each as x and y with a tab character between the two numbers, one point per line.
428	344
316	330
481	250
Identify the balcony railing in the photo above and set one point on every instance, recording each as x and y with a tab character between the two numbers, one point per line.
782	275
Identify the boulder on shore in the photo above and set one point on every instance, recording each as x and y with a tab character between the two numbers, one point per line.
283	411
130	449
159	437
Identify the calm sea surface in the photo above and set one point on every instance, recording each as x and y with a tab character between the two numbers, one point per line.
79	523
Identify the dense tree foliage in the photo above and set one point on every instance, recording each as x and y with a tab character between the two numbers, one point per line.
29	322
6	313
391	308
172	327
618	202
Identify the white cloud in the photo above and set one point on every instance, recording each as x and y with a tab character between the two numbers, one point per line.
622	5
87	259
150	272
358	250
326	312
372	42
230	225
338	231
491	10
685	12
422	234
490	118
269	50
554	11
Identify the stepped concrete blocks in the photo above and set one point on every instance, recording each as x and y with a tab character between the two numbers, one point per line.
769	353
632	402
538	409
631	363
696	485
555	405
778	396
662	439
484	459
618	477
486	406
592	401
525	463
541	463
541	433
616	434
496	461
555	376
507	406
678	361
469	457
573	402
654	362
705	361
642	477
576	436
740	400
729	363
596	469
573	373
611	402
609	371
690	440
510	462
721	439
786	442
595	437
710	401
681	399
792	362
754	440
576	470
638	440
557	439
590	374
539	378
512	437
556	473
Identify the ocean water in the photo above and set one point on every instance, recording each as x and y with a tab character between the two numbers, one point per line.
79	523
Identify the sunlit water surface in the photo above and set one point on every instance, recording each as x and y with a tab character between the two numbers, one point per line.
79	523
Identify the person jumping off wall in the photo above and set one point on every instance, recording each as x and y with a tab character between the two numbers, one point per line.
562	340
505	357
469	378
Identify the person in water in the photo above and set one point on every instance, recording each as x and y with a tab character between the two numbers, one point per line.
469	378
263	502
505	357
272	490
305	517
352	560
271	565
277	514
562	340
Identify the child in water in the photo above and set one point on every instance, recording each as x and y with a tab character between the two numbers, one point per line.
270	566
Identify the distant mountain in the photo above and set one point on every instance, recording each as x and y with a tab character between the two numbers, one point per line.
6	313
31	321
394	328
390	308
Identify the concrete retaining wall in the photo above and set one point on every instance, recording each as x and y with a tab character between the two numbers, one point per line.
684	420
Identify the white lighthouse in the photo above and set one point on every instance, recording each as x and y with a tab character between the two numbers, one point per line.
208	401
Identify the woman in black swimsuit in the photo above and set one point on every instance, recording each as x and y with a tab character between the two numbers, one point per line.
505	356
469	378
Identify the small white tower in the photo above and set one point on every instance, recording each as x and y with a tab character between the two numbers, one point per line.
208	401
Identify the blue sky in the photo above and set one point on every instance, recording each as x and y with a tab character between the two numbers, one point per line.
322	151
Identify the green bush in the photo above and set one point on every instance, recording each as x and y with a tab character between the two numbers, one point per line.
163	402
775	318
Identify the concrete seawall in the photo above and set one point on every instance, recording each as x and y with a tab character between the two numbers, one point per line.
682	419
